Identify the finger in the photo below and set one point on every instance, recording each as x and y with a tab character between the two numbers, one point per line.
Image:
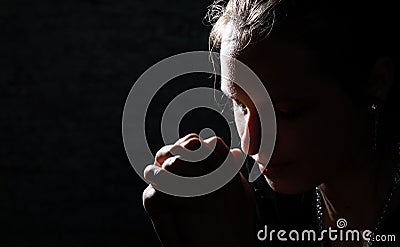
151	172
217	139
154	200
211	153
187	137
183	168
191	142
162	154
193	150
220	152
218	145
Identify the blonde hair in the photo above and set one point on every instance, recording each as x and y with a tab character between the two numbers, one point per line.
347	38
252	19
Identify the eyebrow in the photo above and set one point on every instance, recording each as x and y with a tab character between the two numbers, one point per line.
232	91
231	95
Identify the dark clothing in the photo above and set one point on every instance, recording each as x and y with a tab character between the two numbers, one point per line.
298	212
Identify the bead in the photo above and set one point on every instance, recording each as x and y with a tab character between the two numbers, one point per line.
384	209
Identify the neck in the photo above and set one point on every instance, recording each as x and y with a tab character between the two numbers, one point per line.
357	193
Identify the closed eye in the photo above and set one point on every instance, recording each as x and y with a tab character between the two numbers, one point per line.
239	105
290	113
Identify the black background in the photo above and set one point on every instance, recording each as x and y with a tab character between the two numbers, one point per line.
66	70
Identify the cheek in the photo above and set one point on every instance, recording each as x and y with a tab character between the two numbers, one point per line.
320	142
340	139
330	140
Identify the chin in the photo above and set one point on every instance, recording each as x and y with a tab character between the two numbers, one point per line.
288	187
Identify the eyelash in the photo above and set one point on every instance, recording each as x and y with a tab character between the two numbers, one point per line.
240	105
284	113
290	114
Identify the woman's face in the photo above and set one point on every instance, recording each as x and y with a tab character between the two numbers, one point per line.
320	133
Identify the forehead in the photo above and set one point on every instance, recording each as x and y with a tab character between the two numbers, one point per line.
286	69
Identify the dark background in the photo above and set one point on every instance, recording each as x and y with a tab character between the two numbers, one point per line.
66	70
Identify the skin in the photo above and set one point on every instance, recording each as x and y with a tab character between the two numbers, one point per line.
221	218
322	140
310	109
322	136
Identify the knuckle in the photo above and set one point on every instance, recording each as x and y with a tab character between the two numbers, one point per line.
146	173
170	163
181	168
192	143
188	136
163	151
150	172
163	154
219	139
177	150
212	139
218	142
221	143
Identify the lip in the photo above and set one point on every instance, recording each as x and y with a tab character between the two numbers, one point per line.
274	169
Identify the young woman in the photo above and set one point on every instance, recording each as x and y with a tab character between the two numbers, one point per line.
330	70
